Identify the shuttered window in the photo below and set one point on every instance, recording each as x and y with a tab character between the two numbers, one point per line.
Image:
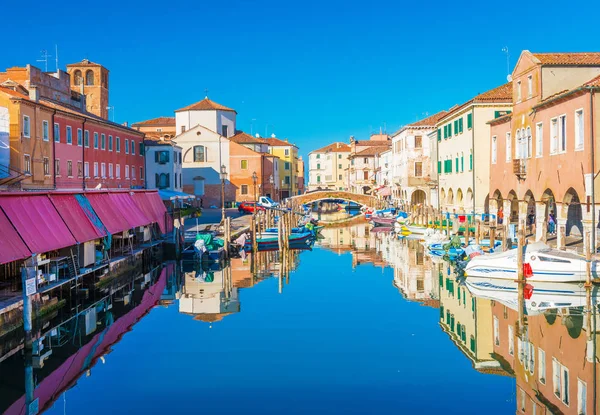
469	121
439	133
439	167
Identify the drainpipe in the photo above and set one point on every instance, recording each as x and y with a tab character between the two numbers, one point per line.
592	160
54	149
473	153
83	155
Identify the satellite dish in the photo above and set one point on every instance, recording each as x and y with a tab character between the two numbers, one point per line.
509	78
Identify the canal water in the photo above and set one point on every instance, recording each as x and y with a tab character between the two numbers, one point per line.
364	323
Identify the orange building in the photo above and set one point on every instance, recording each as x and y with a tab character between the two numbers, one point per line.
157	127
249	155
542	155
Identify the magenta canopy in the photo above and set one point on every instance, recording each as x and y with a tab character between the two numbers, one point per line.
108	212
129	209
38	222
12	247
154	208
71	212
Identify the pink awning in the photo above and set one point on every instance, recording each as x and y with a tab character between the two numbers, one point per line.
154	208
78	223
129	209
109	213
12	247
38	222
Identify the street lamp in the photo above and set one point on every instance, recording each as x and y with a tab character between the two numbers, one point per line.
271	181
223	178
254	180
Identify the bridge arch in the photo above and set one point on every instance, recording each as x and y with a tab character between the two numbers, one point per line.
365	200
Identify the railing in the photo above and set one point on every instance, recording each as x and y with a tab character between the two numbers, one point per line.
520	168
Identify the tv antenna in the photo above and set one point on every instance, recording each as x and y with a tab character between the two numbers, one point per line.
44	58
56	56
506	51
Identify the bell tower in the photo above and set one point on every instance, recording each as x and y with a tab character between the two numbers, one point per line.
91	79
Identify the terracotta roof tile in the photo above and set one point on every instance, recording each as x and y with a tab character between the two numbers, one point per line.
373	143
170	121
568	59
13	93
334	147
276	142
243	138
206	105
594	82
371	151
503	93
429	121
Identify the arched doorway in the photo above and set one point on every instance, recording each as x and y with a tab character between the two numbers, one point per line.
450	200
513	215
574	213
531	212
418	197
460	200
550	201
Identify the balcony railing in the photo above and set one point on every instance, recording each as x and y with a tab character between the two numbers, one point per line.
520	168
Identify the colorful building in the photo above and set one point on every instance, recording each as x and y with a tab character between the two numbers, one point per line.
288	165
463	148
157	127
328	167
542	155
164	162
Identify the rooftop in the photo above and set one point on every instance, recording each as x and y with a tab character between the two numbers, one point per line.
371	151
242	138
568	58
160	121
334	147
206	105
276	142
501	94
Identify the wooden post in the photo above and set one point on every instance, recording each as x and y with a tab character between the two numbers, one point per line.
427	217
492	235
505	246
467	232
588	258
477	232
280	233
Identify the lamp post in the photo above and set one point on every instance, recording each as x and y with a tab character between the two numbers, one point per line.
223	178
254	180
271	181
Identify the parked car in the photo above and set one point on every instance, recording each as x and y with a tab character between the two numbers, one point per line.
249	207
267	202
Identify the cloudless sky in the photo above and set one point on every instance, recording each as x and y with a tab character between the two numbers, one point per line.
312	71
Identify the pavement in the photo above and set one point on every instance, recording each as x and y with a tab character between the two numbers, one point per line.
212	218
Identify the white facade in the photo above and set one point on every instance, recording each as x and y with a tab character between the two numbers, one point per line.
163	166
384	168
433	172
222	122
203	152
362	174
328	167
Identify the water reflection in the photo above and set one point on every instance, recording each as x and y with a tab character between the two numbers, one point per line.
367	295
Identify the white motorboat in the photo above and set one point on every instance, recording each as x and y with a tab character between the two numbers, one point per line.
416	229
547	264
542	295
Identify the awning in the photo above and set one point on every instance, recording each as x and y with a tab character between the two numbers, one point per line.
75	218
129	209
384	191
38	222
151	204
173	195
109	213
12	247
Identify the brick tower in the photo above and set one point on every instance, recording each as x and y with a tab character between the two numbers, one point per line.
91	79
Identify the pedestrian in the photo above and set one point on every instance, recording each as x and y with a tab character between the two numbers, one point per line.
551	223
500	216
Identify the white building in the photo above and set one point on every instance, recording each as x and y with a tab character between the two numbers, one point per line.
163	165
412	161
208	114
328	167
383	172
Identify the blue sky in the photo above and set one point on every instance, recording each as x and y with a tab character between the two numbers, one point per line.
314	72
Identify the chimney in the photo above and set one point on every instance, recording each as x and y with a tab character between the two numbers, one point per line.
126	124
34	94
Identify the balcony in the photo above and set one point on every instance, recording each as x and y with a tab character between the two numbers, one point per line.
520	168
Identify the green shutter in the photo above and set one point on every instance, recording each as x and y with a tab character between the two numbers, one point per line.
473	344
470	162
449	130
455	127
469	120
439	133
460	124
457	164
462	163
445	131
439	167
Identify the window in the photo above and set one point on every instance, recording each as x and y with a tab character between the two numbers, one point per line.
79	137
318	166
224	130
103	142
471	160
439	135
539	139
418	169
508	147
287	152
579	130
469	121
460	124
87	169
245	188
560	381
162	180
562	133
133	175
86	138
57	167
118	144
365	175
462	162
110	170
174	176
339	156
581	397
339	177
199	154
287	180
518	91
56	133
142	150
118	171
95	170
286	165
69	168
27	164
132	148
46	166
142	176
127	171
161	157
339	166
103	170
456	163
494	149
77	78
26	126
418	141
89	77
529	86
110	143
182	129
511	341
96	141
79	169
69	135
45	131
126	146
496	332
180	158
553	135
318	156
244	164
542	366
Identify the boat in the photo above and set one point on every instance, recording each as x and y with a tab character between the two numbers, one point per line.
382	229
270	232
296	240
539	296
416	229
383	221
547	265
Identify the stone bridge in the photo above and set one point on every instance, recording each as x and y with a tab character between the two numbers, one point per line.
366	200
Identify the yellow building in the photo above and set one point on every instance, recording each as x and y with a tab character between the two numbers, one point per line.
288	165
328	167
